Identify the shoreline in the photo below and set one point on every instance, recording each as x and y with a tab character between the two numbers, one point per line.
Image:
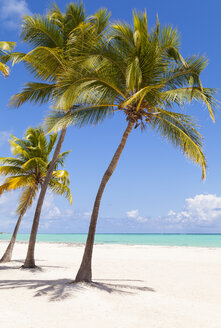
80	244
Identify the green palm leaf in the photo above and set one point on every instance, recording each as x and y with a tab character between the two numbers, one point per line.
27	170
22	202
5	49
38	31
181	131
35	92
60	189
138	72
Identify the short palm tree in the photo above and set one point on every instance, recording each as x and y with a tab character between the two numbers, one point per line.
143	75
51	37
27	171
5	48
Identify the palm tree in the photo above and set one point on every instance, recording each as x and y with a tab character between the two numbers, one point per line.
51	37
142	74
5	48
27	170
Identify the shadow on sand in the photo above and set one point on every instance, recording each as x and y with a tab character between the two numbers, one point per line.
61	289
10	266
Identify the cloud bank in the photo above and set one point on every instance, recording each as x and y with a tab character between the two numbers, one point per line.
201	213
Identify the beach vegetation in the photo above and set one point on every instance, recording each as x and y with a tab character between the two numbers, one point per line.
26	171
140	73
51	36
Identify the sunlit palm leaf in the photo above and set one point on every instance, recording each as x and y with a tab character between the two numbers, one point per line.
27	170
35	92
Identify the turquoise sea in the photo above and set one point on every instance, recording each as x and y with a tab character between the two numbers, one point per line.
195	240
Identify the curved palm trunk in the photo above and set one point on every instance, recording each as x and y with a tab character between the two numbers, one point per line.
84	273
30	260
8	253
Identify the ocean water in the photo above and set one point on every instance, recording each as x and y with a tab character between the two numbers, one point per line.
194	240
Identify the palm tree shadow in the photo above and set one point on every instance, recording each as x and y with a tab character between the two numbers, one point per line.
60	289
56	290
120	288
8	267
4	266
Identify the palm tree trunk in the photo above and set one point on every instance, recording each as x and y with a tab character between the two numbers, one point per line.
30	260
84	273
8	253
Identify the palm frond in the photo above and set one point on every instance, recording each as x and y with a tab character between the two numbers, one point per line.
10	170
62	176
87	90
122	33
45	62
7	46
100	20
19	147
56	120
56	17
53	138
60	189
16	182
61	158
11	161
5	49
35	163
14	57
187	94
38	31
74	15
181	131
28	169
26	198
35	92
4	69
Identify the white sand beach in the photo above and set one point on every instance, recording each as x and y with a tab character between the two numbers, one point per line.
135	287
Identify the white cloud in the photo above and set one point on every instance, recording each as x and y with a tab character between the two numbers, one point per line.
54	212
4	136
11	11
141	219
201	213
200	210
132	214
50	210
68	212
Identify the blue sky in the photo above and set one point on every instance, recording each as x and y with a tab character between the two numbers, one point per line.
155	188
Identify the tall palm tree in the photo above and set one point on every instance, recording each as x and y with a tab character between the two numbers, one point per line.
27	171
5	48
51	37
142	74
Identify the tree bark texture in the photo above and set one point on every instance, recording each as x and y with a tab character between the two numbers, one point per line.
8	253
30	259
85	273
